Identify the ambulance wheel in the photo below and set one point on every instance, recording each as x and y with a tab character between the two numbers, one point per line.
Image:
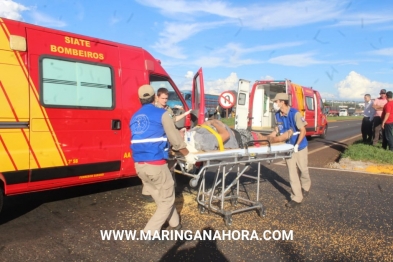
228	220
1	198
201	209
324	133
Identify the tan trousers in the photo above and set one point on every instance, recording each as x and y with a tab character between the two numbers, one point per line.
302	180
171	166
158	182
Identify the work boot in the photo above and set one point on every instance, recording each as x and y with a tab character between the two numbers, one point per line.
176	228
292	204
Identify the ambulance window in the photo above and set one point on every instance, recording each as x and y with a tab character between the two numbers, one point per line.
75	84
310	103
242	99
158	82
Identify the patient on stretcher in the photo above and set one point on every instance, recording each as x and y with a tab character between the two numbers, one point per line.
207	137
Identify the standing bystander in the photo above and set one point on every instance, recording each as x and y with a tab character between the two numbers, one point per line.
151	128
387	122
367	122
161	101
288	118
378	105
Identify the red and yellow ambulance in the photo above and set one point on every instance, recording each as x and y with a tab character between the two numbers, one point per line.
254	109
65	104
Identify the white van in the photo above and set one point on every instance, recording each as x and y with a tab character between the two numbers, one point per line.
343	112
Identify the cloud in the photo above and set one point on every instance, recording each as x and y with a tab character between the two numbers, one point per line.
363	20
218	86
214	87
11	10
175	33
326	95
189	75
355	86
306	59
382	52
81	12
267	77
255	16
46	20
231	55
298	60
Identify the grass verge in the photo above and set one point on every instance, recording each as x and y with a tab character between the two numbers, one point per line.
341	118
228	121
361	152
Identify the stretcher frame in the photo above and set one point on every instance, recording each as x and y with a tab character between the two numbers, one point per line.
226	161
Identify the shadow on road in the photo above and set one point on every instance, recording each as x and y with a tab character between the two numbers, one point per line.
205	250
18	205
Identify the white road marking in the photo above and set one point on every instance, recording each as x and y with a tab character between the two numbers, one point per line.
336	169
335	143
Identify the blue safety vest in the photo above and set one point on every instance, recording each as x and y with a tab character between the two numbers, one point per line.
148	139
285	123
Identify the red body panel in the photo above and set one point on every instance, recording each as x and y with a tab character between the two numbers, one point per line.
69	141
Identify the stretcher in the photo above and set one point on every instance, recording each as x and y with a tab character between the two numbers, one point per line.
226	161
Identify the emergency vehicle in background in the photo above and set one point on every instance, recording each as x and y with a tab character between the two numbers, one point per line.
254	109
66	101
343	111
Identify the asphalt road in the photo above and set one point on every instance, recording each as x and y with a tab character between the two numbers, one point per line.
347	217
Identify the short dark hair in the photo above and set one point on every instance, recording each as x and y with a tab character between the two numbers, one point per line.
162	90
148	100
389	94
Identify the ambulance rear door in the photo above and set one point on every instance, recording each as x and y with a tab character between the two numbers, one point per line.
198	98
242	104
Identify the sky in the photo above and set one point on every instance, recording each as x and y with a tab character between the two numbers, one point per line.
343	49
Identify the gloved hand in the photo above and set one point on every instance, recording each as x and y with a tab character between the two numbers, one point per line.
187	112
191	158
296	148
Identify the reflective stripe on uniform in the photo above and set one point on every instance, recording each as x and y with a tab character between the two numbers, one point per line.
149	140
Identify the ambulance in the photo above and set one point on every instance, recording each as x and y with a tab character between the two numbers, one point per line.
66	101
254	109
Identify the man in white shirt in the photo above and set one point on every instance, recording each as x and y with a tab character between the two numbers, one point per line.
367	122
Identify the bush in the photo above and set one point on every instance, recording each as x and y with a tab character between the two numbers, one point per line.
362	152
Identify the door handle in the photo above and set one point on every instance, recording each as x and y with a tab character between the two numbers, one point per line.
116	124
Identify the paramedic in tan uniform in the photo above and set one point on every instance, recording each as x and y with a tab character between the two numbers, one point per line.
151	129
289	118
161	102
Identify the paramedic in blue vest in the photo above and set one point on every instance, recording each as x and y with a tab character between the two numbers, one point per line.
152	129
289	118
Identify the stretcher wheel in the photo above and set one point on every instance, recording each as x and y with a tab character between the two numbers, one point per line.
228	220
194	182
260	209
201	209
261	212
